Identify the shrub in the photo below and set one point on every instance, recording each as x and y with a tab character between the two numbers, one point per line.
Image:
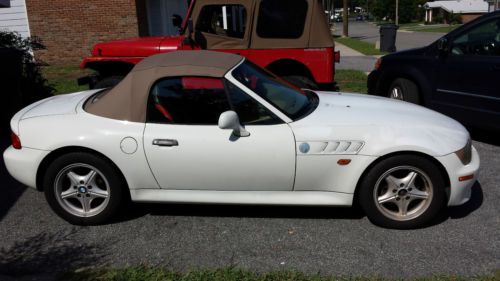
20	75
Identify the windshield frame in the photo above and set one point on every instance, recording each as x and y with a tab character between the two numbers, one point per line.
312	97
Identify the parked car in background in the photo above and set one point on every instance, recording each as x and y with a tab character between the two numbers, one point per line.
289	38
456	75
360	18
212	127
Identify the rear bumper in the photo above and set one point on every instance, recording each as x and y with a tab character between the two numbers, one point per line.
373	82
460	191
22	164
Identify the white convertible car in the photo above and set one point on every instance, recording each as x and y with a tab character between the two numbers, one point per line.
207	127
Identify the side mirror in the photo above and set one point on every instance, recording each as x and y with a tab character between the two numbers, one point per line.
442	44
177	21
229	120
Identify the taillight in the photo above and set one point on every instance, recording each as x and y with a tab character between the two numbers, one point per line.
378	63
15	141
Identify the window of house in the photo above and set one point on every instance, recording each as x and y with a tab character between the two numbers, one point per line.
223	20
187	100
4	3
481	40
282	18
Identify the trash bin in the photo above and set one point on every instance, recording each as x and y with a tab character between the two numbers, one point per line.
388	38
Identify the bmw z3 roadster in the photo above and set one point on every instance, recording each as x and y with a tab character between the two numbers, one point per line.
207	127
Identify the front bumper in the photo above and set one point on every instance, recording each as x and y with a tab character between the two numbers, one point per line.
460	191
22	164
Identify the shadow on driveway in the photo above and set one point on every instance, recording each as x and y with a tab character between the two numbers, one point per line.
46	254
138	210
462	211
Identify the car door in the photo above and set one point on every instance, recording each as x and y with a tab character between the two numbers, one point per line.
186	149
468	87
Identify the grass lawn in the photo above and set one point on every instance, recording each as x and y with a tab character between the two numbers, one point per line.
351	81
363	47
63	78
442	29
143	273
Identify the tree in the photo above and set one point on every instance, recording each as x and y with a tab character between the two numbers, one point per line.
408	9
345	20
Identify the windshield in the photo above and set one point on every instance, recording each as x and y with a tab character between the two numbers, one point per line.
292	101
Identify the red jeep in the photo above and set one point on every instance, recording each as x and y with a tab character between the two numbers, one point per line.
291	38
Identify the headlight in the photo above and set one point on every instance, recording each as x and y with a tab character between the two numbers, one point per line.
465	154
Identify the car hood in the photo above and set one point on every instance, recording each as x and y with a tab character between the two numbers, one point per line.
383	125
136	47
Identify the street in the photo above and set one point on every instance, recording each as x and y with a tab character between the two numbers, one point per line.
465	240
370	33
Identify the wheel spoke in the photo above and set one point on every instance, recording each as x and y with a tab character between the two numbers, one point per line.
403	206
418	194
89	179
387	198
409	180
74	178
70	193
96	192
85	201
392	182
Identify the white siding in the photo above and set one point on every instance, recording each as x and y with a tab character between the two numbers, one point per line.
15	18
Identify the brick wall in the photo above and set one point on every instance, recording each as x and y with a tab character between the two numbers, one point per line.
468	17
69	28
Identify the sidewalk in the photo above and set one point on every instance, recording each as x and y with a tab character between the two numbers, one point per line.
352	59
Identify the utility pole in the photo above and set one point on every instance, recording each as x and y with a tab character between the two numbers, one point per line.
345	20
397	12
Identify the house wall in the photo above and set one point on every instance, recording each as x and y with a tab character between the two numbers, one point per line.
14	18
468	17
69	28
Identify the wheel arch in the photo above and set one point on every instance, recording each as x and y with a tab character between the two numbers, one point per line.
42	168
442	170
412	74
287	67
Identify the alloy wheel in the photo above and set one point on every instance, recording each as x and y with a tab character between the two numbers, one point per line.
82	190
403	193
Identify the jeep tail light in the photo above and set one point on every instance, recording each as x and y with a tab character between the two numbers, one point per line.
15	141
378	63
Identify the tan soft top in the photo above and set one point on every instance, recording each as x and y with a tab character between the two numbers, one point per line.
128	99
316	30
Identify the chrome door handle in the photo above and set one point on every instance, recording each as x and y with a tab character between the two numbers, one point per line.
165	142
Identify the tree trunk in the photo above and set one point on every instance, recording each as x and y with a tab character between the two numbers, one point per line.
345	19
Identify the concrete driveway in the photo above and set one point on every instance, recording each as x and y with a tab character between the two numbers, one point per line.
36	244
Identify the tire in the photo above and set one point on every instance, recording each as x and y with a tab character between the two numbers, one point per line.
108	82
404	89
301	82
390	181
92	188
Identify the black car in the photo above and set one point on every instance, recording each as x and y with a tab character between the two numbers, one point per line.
458	75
